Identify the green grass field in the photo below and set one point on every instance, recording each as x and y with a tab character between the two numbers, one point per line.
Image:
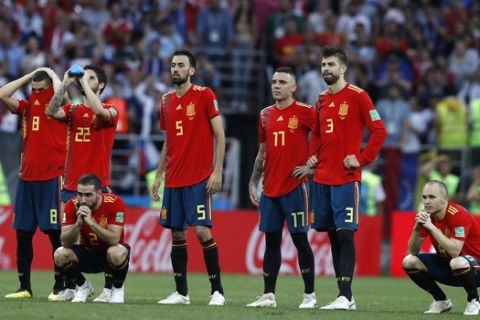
377	298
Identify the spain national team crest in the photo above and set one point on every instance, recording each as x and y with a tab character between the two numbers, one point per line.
343	110
190	111
293	123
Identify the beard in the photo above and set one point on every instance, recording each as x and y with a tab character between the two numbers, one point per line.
179	80
331	79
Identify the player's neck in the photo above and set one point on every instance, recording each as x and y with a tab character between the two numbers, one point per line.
182	88
282	104
337	86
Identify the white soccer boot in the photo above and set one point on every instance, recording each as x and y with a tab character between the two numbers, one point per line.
267	300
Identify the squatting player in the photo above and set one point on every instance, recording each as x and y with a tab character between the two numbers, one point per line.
191	120
91	132
43	160
97	219
283	134
344	111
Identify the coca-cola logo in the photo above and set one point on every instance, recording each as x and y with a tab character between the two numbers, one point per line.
318	241
150	244
5	213
5	259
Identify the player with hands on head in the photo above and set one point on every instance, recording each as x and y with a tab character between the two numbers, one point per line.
455	235
43	163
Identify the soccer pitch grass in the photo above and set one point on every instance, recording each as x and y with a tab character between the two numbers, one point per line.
376	297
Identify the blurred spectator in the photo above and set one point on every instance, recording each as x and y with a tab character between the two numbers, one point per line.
470	89
418	124
117	30
311	84
95	14
362	50
451	123
29	20
214	28
316	20
206	74
60	39
245	24
175	14
350	17
440	168
432	26
473	194
35	57
11	52
372	194
124	115
330	36
170	40
276	26
153	63
286	45
462	62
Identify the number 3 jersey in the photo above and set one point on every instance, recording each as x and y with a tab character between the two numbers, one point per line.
285	134
110	212
190	147
44	139
89	144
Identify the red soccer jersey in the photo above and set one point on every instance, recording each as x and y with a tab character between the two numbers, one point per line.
458	224
285	134
44	139
110	212
90	143
189	135
339	126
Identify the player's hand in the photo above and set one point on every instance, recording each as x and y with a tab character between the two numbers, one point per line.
84	213
312	162
351	162
302	171
214	183
67	79
423	218
252	188
154	191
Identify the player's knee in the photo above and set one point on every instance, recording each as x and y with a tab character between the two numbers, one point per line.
203	233
61	256
410	262
459	263
300	240
179	235
116	255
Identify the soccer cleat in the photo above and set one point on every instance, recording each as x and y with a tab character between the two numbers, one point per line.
175	298
65	295
217	299
117	295
267	300
440	306
20	294
309	301
341	303
83	292
473	308
105	296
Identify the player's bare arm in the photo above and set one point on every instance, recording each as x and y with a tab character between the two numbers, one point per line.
415	242
71	232
53	109
159	174
256	174
9	89
93	99
214	183
110	236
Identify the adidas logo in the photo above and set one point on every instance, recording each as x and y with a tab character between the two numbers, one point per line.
331	105
179	107
280	118
36	103
85	115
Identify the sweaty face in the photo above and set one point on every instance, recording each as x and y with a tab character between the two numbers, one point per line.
283	86
434	198
331	70
180	70
88	196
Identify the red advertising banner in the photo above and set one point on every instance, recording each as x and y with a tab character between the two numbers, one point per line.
241	245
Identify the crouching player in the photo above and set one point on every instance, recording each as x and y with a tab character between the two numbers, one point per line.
97	219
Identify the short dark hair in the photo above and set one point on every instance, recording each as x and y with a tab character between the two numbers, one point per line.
41	76
336	52
90	179
101	75
191	58
288	70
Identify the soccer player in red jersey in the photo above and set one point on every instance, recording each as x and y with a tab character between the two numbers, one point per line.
91	133
193	167
455	236
97	219
283	134
344	111
43	160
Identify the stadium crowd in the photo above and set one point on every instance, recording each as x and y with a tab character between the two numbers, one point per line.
419	61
